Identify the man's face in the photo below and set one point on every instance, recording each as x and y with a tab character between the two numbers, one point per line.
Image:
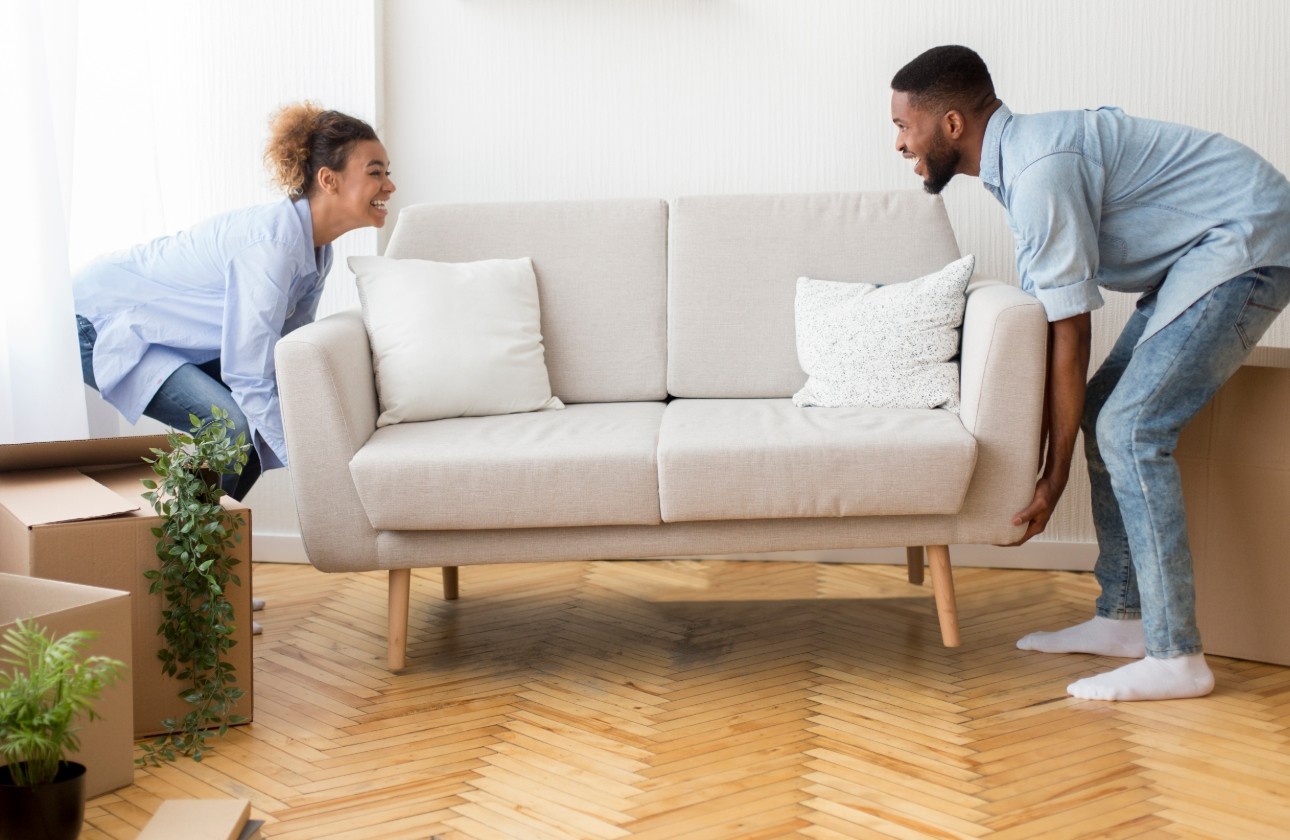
920	137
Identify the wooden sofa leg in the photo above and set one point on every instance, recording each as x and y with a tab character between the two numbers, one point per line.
400	590
943	587
450	583
914	558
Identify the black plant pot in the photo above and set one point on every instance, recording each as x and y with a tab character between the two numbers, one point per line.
44	812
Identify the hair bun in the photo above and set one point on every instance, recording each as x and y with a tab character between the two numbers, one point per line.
291	130
304	138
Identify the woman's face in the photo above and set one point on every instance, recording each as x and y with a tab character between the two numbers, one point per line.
363	187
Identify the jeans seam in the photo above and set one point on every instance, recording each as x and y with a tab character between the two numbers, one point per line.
1117	592
1171	653
1166	607
1240	316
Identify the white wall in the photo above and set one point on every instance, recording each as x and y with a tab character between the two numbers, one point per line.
495	100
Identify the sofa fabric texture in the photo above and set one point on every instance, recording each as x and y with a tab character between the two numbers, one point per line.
601	270
769	459
733	264
590	464
669	334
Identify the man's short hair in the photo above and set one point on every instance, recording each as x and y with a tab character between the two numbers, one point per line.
949	78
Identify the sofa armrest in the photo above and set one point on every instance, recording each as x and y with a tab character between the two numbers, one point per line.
329	409
1002	368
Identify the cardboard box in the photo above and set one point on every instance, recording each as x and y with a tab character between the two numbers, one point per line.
107	744
73	511
1235	462
202	819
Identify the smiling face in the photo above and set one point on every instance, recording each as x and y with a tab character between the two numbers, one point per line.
926	138
362	189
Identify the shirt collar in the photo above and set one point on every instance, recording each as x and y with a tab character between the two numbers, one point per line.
991	154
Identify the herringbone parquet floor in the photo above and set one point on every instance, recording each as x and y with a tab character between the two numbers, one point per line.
716	699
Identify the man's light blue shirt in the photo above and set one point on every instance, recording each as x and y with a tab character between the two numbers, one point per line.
1099	198
227	288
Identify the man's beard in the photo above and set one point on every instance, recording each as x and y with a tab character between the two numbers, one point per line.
940	161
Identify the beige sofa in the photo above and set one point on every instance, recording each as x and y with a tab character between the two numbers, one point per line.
669	334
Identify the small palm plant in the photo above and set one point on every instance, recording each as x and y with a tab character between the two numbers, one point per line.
46	689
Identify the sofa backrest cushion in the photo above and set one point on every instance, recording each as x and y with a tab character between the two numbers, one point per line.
601	271
733	264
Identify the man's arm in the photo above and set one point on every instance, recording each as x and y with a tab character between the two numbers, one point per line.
1070	339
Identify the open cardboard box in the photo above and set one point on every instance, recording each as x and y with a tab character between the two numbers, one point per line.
73	511
1235	462
107	744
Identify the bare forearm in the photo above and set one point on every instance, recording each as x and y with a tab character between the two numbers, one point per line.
1067	380
1064	404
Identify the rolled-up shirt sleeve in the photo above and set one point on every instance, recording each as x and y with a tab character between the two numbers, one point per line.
255	309
1055	208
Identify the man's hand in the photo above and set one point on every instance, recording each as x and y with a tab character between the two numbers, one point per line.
1069	341
1039	511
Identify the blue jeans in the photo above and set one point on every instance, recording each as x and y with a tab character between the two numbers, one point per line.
1137	405
192	389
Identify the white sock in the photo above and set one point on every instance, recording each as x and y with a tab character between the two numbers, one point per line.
1102	636
1149	679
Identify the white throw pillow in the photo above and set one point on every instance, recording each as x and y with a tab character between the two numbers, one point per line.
888	346
453	339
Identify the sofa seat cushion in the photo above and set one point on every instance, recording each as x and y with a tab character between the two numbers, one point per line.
591	464
768	459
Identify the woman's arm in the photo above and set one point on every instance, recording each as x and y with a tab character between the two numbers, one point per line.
256	300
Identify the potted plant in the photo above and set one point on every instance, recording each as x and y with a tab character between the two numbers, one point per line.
193	545
47	690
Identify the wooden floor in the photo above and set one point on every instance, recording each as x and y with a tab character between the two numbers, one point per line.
716	699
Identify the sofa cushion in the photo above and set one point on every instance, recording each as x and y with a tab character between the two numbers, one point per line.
453	339
768	459
733	268
602	282
591	464
889	346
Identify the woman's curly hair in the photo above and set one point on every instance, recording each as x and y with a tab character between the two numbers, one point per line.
304	138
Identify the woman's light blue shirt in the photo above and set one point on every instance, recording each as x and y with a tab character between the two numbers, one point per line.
1099	198
227	288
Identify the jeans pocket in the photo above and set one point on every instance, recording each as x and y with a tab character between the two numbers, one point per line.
88	336
1269	294
86	330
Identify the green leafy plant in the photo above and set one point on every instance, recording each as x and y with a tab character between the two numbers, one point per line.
193	544
48	687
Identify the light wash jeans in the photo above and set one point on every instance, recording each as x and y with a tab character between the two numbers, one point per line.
192	389
1137	405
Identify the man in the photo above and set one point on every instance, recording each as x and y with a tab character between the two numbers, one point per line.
1200	226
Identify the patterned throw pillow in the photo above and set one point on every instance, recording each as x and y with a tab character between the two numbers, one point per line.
890	346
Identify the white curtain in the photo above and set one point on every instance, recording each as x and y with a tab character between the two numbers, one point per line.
41	395
159	109
131	119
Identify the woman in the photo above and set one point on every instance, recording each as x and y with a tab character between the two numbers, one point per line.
171	327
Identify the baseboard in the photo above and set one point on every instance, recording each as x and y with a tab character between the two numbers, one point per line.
1041	556
1046	556
278	548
